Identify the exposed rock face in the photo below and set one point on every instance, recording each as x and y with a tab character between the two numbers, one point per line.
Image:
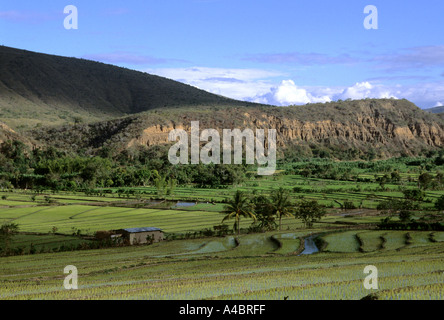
365	128
6	133
392	127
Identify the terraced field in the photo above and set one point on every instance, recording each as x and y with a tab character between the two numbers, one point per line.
438	236
371	240
250	266
290	243
418	239
326	191
89	219
395	240
342	242
160	271
44	243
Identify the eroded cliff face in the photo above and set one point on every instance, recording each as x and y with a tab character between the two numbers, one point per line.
360	130
391	127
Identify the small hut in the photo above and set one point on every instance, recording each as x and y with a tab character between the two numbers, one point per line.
141	235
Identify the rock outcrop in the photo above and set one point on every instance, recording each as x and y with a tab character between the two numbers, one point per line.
393	127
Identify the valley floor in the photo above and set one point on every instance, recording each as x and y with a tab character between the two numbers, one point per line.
255	267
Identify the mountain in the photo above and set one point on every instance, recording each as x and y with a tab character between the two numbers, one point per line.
93	108
383	127
41	89
435	110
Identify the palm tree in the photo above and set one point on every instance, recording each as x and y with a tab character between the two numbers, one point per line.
238	207
282	205
7	231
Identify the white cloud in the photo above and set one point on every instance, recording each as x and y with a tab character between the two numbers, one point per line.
242	84
288	93
202	73
439	104
364	90
267	87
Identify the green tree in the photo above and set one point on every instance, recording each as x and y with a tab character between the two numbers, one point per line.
439	204
309	212
395	176
7	231
414	195
405	215
238	207
424	180
142	176
263	209
401	208
282	205
171	186
160	183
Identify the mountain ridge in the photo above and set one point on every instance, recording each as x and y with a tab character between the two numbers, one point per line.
43	89
390	127
92	108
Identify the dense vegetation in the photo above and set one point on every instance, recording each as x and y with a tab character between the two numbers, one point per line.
386	213
51	169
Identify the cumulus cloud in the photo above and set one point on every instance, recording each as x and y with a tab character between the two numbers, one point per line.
288	93
267	87
364	90
438	104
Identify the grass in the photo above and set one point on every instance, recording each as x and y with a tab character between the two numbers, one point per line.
342	242
90	219
255	245
290	242
143	273
395	240
44	243
419	238
371	240
438	236
249	266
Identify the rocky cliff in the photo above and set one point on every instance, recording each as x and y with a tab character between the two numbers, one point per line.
391	127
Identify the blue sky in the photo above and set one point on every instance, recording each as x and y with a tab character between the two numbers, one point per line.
279	52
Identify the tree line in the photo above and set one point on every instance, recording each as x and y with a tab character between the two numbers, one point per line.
265	211
53	169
